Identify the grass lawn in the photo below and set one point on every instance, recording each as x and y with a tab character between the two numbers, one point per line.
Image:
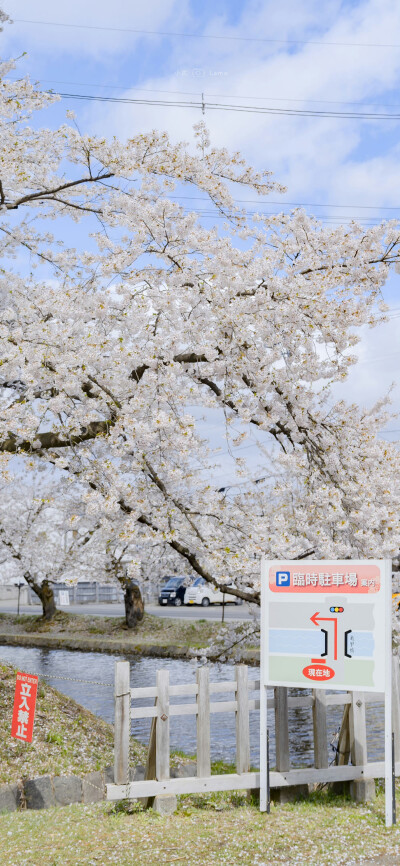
66	737
206	829
111	632
225	829
213	829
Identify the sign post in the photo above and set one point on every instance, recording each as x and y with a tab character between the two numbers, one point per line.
327	625
24	707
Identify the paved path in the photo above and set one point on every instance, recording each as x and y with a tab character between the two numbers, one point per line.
233	612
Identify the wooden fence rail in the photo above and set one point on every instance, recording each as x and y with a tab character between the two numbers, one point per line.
241	700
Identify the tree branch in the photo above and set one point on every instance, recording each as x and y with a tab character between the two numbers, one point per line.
34	196
14	444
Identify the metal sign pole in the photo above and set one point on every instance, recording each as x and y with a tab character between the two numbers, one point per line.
263	701
389	803
263	749
393	782
268	785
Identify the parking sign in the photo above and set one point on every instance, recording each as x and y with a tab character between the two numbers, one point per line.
282	578
327	625
324	624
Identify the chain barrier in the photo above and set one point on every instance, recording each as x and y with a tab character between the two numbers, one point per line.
71	679
76	680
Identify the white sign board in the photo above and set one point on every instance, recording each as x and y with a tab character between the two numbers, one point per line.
324	624
63	597
327	625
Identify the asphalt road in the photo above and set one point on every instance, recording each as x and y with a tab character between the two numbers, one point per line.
233	612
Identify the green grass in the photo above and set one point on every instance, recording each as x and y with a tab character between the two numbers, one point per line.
219	768
152	630
216	829
67	738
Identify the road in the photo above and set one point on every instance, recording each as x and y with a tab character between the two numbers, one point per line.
233	612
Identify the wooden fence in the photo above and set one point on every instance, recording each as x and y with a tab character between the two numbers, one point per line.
243	697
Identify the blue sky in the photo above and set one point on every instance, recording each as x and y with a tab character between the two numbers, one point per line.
305	55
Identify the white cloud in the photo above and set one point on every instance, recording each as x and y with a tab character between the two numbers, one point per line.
312	156
122	15
378	366
375	179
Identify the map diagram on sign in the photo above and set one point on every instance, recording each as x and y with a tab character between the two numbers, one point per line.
325	626
330	639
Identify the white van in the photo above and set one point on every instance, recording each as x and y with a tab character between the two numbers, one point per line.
204	593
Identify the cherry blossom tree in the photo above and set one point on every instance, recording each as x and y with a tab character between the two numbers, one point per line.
106	346
46	536
43	539
3	18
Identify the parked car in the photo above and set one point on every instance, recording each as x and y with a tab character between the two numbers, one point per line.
204	593
173	592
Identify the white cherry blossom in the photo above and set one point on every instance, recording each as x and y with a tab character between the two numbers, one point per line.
105	346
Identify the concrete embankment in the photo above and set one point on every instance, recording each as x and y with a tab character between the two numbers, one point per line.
45	792
154	636
119	647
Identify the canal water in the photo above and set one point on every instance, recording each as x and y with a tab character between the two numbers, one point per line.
65	670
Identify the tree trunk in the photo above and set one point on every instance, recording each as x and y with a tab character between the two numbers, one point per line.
46	595
134	607
48	602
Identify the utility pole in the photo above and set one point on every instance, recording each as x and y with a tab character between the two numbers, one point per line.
19	585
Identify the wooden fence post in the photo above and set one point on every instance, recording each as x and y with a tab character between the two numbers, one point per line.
343	746
361	790
162	726
165	804
122	722
290	793
150	769
242	720
320	729
203	722
281	729
343	751
282	761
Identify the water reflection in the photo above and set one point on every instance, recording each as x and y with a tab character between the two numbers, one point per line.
99	699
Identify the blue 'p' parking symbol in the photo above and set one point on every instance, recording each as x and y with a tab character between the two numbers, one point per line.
283	578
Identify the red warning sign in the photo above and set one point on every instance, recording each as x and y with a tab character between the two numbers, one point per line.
24	707
318	672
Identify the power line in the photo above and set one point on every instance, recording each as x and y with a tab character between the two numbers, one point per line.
208	35
332	219
216	95
336	219
298	203
245	200
220	106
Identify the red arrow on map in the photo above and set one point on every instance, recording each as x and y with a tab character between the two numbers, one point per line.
316	618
